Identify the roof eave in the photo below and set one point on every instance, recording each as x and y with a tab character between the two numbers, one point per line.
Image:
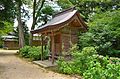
52	27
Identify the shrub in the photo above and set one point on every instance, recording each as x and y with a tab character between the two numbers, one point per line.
65	67
35	53
112	71
24	51
90	65
79	63
94	72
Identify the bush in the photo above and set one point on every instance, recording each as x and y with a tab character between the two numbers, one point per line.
34	53
65	67
80	62
112	71
24	51
90	65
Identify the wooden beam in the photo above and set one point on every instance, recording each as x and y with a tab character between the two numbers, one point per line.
53	48
55	33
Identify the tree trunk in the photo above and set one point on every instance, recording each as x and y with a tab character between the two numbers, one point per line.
20	27
30	39
33	24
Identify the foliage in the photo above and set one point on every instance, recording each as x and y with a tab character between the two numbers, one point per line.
65	67
45	14
6	11
45	52
115	60
24	51
1	43
103	33
112	71
34	53
8	27
90	65
6	16
88	7
5	29
64	4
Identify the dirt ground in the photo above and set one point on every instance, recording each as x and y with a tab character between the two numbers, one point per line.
12	67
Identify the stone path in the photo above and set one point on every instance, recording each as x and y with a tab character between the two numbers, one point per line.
12	67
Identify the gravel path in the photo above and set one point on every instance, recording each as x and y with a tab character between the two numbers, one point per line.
12	67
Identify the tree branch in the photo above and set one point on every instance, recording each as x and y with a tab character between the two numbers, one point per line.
35	17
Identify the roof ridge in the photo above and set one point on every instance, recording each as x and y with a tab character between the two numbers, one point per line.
65	10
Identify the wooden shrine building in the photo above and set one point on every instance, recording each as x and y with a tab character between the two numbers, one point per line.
10	42
62	30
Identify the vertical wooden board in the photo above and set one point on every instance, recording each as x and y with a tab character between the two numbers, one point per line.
65	42
57	44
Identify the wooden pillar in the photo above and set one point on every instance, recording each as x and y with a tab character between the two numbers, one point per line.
60	44
70	33
42	47
53	47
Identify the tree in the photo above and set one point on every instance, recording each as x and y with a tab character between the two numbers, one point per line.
37	6
103	33
6	11
87	8
45	14
41	13
64	4
6	17
20	24
25	31
21	12
8	27
9	10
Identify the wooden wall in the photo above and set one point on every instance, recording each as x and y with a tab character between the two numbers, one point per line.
57	43
36	42
69	37
11	45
